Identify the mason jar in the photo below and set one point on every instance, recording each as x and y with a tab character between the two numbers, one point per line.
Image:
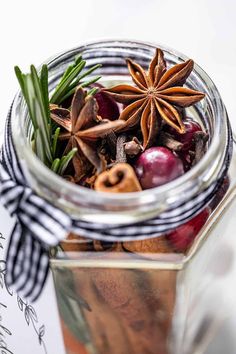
129	295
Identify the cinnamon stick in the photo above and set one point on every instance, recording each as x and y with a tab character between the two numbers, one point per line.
106	330
116	292
103	246
152	245
161	291
121	178
76	243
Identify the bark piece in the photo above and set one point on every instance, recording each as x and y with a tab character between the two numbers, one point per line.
168	141
200	140
75	243
121	178
152	245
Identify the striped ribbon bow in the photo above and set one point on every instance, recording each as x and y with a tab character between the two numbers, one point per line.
40	225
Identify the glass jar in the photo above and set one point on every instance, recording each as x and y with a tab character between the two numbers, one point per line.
132	296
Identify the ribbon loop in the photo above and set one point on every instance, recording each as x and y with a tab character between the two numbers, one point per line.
10	192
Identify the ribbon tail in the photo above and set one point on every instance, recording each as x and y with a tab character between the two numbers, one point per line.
14	257
41	272
27	264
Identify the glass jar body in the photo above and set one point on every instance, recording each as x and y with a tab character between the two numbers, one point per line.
115	300
128	296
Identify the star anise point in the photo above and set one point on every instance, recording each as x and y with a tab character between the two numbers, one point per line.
82	129
156	96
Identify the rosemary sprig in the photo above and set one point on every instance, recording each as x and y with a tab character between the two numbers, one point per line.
35	91
63	85
54	140
60	165
65	161
93	91
55	165
71	79
71	91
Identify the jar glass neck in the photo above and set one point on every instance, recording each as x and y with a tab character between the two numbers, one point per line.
128	207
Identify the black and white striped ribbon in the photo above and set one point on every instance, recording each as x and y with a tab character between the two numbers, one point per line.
40	225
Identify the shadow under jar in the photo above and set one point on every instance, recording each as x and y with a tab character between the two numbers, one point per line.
123	296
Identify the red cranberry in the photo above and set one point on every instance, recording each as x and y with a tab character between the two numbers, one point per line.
182	237
157	166
108	108
186	139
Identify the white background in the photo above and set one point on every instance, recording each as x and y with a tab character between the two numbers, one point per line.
205	30
30	32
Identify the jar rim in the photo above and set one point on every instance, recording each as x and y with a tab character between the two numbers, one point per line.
167	192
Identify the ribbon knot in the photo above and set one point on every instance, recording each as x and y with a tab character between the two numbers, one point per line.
46	222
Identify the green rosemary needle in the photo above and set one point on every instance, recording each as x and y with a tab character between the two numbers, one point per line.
34	89
35	93
71	79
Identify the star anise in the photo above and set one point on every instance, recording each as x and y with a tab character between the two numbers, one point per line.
155	96
82	129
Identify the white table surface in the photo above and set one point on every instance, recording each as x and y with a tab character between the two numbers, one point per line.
30	32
